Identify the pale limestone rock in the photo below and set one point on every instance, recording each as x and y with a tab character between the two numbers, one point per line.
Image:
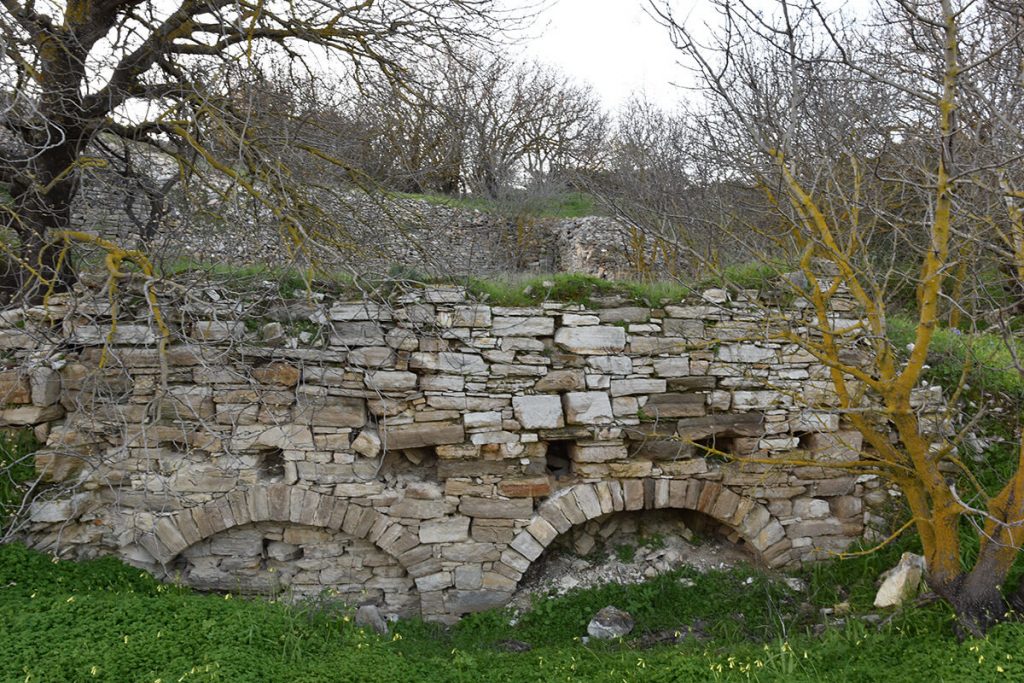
391	380
611	365
814	421
455	363
901	582
490	419
538	326
746	353
45	386
447	530
422	434
629	387
672	367
124	334
587	407
364	310
597	340
538	412
367	443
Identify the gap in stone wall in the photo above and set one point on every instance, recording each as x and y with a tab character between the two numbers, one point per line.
408	465
629	547
557	462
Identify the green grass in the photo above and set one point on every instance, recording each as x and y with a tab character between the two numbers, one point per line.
571	288
16	470
991	363
104	621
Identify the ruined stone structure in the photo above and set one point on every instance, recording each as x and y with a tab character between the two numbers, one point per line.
422	455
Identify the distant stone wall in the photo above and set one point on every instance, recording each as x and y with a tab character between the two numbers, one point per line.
422	455
375	235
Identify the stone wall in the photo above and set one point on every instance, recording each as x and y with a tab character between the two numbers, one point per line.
422	455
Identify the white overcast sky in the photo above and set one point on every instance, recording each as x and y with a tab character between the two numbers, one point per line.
614	46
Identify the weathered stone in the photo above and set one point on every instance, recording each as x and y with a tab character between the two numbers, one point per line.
630	387
672	405
745	353
672	367
372	356
369	616
542	326
525	488
364	310
597	451
561	380
835	447
650	346
611	365
627	314
610	623
495	508
30	415
353	334
455	363
367	443
14	388
596	340
125	334
538	412
282	374
447	530
901	582
333	411
383	380
485	420
590	407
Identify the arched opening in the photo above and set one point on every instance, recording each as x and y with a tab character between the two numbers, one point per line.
294	562
631	546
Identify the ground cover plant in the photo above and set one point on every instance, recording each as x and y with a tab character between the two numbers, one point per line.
105	621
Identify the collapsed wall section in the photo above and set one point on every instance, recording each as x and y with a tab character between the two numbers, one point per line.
421	455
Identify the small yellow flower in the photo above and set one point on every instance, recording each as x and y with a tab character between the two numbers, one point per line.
228	596
999	669
71	599
94	670
126	640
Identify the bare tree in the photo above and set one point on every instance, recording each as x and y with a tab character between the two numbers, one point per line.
887	146
148	73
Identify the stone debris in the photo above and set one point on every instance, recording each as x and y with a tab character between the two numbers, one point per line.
369	616
610	623
902	582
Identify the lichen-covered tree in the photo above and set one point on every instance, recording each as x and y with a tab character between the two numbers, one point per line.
80	71
888	145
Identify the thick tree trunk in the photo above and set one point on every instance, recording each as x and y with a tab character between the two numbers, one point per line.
976	600
38	210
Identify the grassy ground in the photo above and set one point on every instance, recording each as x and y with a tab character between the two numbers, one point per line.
104	621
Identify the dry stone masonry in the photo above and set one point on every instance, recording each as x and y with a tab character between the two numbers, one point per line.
421	455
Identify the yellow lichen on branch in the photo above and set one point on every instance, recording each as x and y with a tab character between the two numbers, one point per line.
114	259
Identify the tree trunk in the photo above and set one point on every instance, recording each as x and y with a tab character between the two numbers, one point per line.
39	209
976	600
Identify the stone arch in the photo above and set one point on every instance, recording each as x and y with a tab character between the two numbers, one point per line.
274	503
582	502
247	511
